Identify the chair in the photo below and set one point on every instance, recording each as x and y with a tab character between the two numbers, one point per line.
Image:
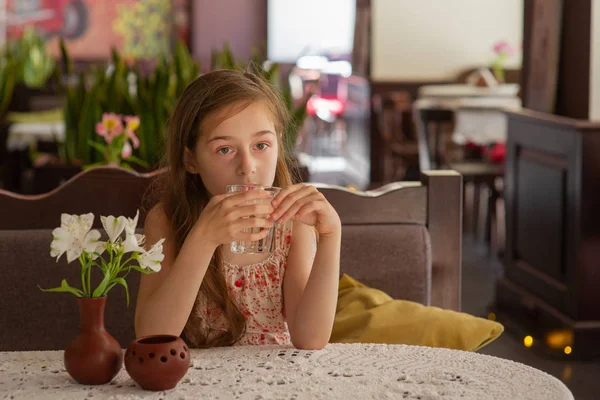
399	152
102	191
404	238
431	125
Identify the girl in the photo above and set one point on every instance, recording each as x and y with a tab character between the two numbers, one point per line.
228	128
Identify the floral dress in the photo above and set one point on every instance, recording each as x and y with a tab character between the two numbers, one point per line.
257	290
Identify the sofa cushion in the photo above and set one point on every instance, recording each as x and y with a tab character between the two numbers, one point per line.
367	315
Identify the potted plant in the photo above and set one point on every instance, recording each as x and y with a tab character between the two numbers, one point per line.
30	66
95	357
504	52
119	133
148	91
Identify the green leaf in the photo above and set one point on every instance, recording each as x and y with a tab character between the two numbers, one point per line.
64	288
119	281
100	290
7	84
98	146
273	75
137	161
227	58
140	269
94	165
66	60
91	113
38	68
126	166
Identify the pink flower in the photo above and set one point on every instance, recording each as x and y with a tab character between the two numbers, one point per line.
133	123
110	127
127	151
134	139
503	47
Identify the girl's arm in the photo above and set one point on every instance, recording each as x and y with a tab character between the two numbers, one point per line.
310	284
165	299
311	287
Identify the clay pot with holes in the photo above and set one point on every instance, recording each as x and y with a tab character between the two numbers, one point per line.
157	362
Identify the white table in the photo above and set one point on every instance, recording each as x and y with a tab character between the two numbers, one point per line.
478	111
23	135
351	371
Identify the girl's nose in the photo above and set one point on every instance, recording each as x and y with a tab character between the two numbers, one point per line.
247	165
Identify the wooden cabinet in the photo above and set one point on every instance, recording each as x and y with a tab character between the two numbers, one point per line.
551	281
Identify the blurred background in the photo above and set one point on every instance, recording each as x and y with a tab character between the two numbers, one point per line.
506	92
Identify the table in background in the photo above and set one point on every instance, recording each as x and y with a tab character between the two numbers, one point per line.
21	139
478	112
23	135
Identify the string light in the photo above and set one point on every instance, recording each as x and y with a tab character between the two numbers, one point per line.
559	339
528	341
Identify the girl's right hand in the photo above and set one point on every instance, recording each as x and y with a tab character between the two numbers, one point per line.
226	216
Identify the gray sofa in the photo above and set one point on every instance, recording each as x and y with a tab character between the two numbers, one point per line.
404	238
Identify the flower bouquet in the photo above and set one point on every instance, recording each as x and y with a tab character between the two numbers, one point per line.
95	356
120	140
76	238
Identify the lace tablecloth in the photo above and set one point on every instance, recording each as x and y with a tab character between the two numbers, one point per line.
350	371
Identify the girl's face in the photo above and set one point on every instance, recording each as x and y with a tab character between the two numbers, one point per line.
240	149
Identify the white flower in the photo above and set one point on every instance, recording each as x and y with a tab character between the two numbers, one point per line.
153	257
131	224
133	241
113	226
74	236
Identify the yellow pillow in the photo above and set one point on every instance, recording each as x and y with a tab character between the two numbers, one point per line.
367	315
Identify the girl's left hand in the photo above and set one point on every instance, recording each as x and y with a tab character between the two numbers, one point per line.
306	204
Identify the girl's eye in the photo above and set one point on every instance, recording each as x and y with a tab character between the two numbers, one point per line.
262	146
224	150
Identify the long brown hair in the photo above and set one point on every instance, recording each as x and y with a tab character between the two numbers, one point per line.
185	196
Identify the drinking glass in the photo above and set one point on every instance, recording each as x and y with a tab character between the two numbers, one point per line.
261	246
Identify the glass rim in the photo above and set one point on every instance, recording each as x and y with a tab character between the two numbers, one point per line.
254	187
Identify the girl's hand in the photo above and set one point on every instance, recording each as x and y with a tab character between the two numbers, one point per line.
225	217
306	204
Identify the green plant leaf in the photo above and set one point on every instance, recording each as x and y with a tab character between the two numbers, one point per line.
141	270
37	68
7	84
66	60
91	113
94	165
64	288
101	289
137	161
227	58
101	148
119	281
273	75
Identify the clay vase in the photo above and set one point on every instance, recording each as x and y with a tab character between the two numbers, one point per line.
94	357
157	362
